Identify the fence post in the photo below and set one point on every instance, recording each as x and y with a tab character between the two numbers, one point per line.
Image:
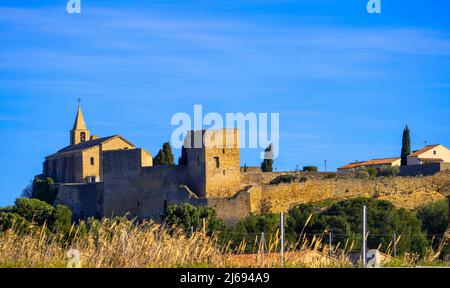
282	237
262	247
364	247
204	227
395	245
330	244
448	220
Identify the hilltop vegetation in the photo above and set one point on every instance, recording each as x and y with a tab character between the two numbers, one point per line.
36	234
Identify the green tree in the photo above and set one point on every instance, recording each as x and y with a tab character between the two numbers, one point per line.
169	160
164	156
310	169
159	158
34	210
373	172
9	219
434	220
187	216
406	146
249	228
344	218
57	219
267	164
434	217
44	190
388	171
62	219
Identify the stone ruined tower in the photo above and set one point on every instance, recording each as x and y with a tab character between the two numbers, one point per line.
213	162
79	132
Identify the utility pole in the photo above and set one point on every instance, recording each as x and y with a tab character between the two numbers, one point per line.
364	247
325	161
282	237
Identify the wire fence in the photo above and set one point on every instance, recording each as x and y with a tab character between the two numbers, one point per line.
322	249
327	248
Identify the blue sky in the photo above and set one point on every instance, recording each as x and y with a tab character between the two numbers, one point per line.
345	82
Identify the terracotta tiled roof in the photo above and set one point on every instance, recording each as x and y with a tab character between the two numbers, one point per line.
423	150
379	161
352	165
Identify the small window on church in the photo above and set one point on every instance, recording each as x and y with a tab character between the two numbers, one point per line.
92	161
434	152
216	159
82	137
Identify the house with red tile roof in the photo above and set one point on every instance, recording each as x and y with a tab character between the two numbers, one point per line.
374	163
430	154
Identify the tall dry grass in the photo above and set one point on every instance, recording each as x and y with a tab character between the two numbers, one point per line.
122	243
119	243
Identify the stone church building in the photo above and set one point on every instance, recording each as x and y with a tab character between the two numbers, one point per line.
109	176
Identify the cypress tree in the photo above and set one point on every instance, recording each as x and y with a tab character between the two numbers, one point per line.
406	146
266	165
169	159
160	158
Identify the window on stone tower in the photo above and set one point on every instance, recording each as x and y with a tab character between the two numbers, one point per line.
82	137
92	161
216	159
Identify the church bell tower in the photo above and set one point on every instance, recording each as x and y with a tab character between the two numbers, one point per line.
79	132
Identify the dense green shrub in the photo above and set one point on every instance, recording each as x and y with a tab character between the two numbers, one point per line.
434	217
9	219
62	219
344	218
250	228
187	216
330	176
362	174
285	178
35	211
310	169
303	179
388	171
373	172
43	190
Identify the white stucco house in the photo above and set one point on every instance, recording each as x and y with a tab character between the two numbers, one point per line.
430	154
